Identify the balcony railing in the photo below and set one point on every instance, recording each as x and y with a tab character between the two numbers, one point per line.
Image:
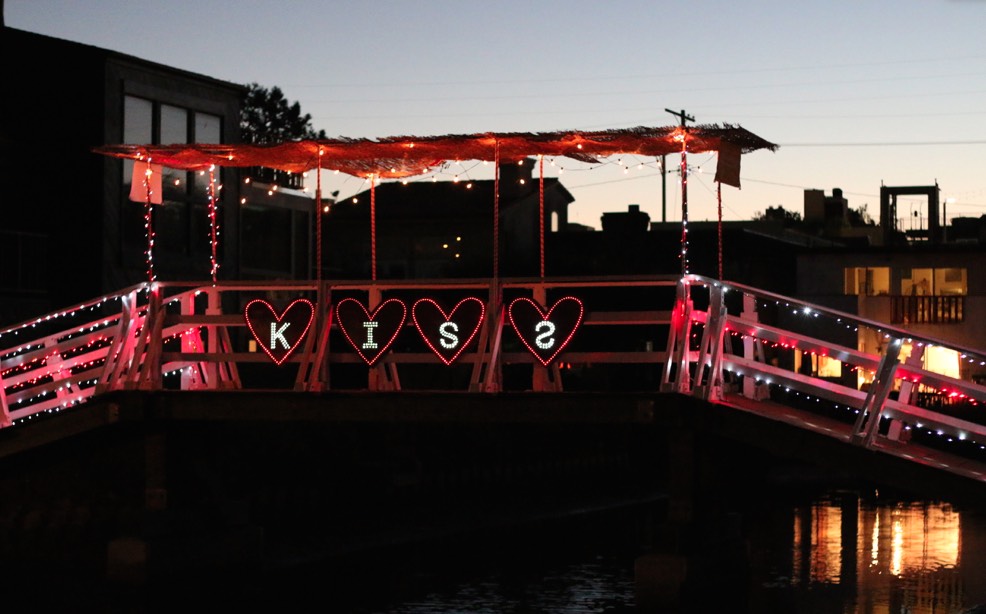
927	309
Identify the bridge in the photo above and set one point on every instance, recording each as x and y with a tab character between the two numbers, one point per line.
486	380
723	343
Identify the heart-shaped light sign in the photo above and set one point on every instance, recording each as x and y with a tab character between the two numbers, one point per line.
279	335
545	333
370	334
448	334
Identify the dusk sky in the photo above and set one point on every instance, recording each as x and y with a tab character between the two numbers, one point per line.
856	94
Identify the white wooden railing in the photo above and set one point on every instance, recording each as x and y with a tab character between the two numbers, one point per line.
687	335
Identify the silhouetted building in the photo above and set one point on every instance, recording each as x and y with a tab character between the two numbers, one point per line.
69	231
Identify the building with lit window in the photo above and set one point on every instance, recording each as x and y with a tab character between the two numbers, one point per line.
920	276
70	231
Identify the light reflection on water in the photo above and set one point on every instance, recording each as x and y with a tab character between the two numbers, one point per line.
908	555
837	552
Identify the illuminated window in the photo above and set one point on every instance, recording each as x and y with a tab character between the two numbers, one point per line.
951	281
934	282
942	360
829	367
866	281
936	359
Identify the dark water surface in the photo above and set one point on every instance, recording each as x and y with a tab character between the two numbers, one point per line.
816	548
762	547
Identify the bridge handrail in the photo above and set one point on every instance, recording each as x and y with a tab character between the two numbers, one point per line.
888	329
193	335
137	342
892	396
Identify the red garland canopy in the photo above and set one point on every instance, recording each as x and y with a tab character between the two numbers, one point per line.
406	156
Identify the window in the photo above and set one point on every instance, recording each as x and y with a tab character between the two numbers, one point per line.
934	282
181	222
930	296
865	281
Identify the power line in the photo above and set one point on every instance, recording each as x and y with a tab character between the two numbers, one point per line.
886	144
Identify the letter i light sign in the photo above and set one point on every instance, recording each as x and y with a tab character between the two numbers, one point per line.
545	334
279	334
370	334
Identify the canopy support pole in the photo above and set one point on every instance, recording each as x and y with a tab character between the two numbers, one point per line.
318	222
149	221
323	316
684	203
213	221
719	199
373	227
541	208
496	215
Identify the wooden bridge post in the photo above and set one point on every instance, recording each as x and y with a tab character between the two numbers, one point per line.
868	422
382	375
678	342
142	358
907	392
4	407
120	352
708	371
752	348
213	308
488	349
541	379
191	341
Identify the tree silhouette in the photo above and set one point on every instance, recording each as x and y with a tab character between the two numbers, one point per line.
266	117
780	214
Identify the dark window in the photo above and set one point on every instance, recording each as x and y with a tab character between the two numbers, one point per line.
181	223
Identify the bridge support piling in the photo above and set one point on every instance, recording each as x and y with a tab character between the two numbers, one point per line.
660	574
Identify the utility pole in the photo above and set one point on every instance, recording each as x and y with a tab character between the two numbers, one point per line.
683	117
684	188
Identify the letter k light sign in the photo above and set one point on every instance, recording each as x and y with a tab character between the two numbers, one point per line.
279	335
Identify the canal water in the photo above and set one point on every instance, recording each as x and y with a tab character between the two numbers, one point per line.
801	548
781	543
